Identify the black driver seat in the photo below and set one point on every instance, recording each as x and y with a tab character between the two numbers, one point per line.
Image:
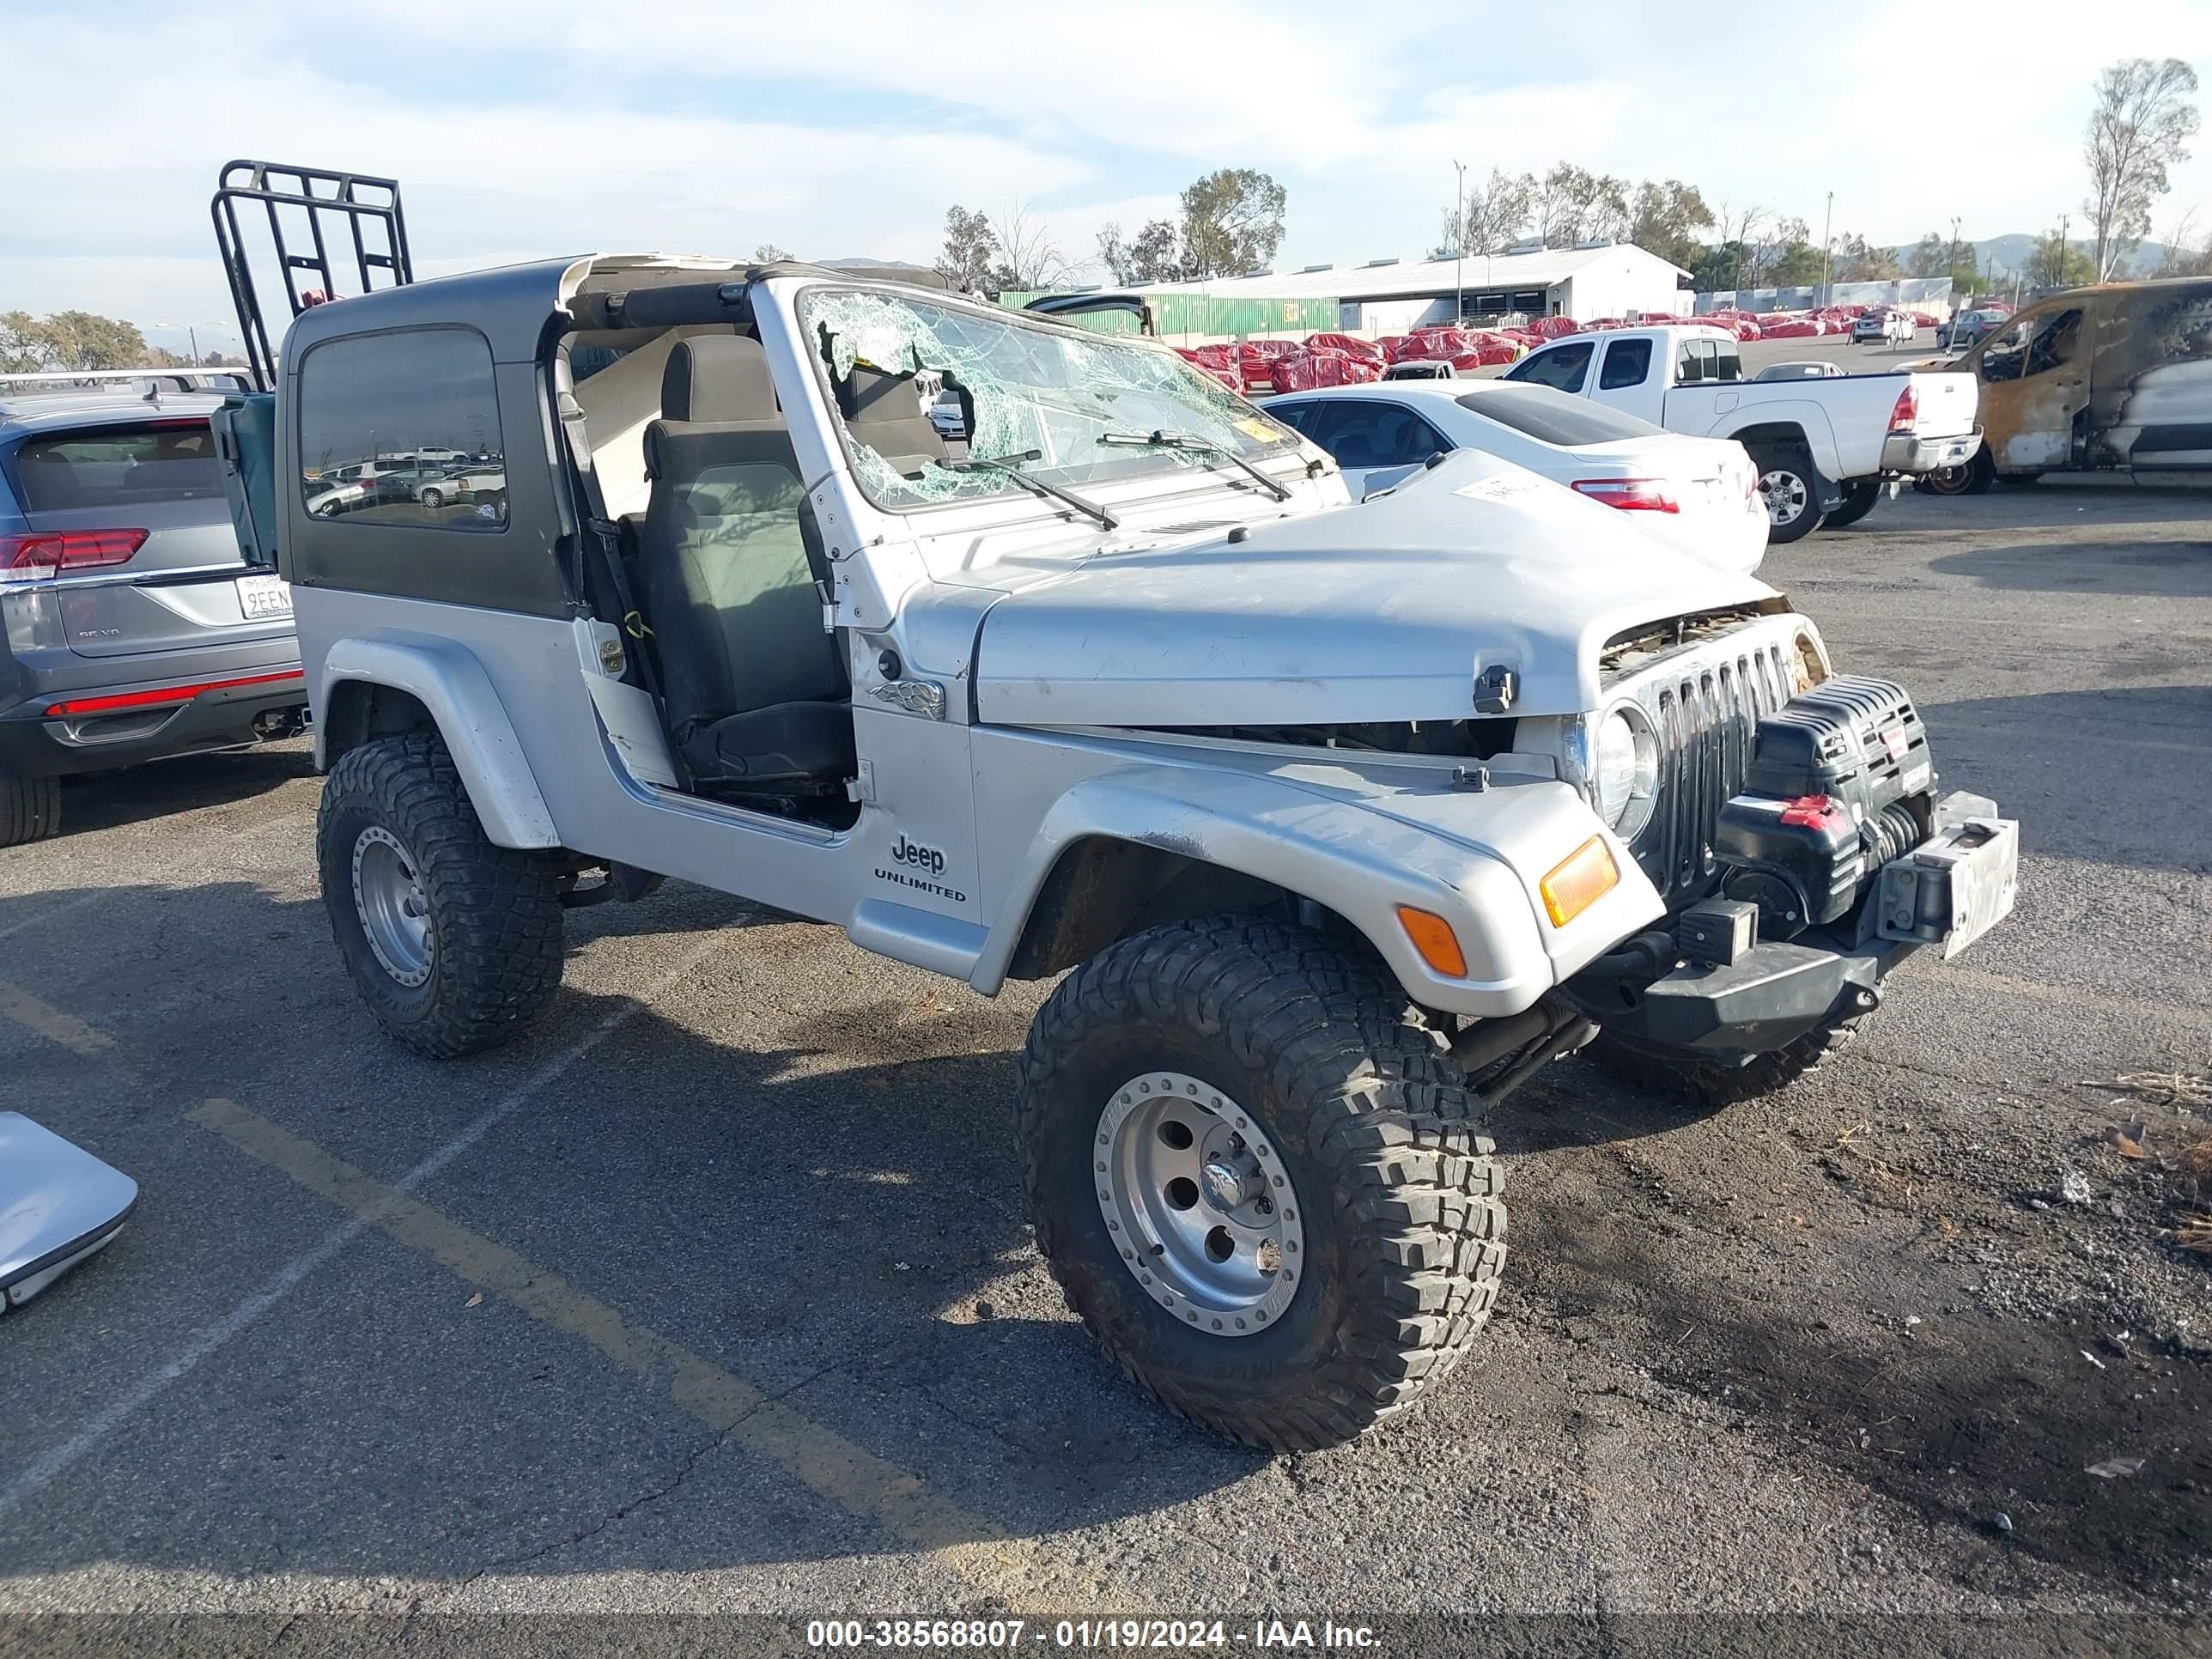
758	695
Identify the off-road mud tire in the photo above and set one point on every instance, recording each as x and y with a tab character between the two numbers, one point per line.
30	808
1692	1080
1404	1231
495	912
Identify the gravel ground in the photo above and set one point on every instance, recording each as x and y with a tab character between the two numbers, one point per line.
715	1295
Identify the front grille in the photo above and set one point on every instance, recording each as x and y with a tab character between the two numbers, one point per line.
1706	719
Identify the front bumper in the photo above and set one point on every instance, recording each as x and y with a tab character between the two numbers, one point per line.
1947	891
35	744
1906	452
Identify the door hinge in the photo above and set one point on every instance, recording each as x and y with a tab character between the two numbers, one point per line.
862	789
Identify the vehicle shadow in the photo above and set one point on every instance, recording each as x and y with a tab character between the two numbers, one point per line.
823	1202
2115	775
2155	569
826	1207
107	800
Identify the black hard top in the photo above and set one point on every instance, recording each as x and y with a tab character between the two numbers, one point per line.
508	306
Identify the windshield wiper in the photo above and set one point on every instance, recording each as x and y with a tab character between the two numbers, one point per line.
1197	445
1009	465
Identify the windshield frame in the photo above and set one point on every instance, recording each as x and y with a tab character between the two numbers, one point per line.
1181	468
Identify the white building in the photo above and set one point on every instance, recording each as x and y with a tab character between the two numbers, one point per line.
1388	296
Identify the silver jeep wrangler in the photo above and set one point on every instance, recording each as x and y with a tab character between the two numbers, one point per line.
1340	820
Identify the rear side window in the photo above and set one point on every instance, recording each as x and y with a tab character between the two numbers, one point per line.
117	467
1627	363
371	408
1367	433
1562	367
1553	417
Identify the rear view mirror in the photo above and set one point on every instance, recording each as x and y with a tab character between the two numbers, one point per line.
58	1205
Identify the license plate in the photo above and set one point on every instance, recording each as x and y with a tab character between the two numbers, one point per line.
264	598
1953	887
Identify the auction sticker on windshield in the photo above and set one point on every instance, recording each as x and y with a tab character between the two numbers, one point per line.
264	598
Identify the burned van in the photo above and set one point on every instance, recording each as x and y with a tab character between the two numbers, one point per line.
2117	376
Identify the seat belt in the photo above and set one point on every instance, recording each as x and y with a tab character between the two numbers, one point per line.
607	532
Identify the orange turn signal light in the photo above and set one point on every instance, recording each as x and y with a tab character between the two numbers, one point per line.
1578	881
1433	938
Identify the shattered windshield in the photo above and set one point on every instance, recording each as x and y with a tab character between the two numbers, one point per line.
1040	398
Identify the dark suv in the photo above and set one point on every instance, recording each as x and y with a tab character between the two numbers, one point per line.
129	629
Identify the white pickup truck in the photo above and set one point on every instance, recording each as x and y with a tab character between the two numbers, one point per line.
1824	448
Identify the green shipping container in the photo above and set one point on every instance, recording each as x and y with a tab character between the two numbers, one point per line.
1181	311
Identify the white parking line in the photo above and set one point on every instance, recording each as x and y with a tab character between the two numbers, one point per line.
212	1337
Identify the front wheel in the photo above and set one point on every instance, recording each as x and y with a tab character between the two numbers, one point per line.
1792	493
454	943
434	499
1860	495
1691	1080
1976	476
1256	1177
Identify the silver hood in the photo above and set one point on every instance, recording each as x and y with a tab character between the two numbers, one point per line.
1384	610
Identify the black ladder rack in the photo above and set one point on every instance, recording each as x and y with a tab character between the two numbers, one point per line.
304	200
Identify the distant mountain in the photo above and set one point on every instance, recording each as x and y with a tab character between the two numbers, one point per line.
2013	252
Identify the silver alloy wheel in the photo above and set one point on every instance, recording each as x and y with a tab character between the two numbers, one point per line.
433	499
1198	1203
1786	497
387	895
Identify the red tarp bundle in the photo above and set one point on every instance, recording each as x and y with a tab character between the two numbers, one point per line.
1366	350
1219	361
1308	371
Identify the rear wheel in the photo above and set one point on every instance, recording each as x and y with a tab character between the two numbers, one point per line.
1860	495
1255	1175
1792	492
454	943
434	499
30	808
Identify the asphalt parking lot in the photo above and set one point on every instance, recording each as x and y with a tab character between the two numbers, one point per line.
715	1294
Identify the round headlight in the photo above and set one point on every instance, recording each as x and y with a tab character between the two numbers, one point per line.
1625	769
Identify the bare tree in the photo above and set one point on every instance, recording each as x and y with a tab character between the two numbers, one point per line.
2141	123
1495	214
1029	259
1740	233
768	253
2188	250
1113	252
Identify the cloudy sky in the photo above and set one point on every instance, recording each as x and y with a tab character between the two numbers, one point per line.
523	128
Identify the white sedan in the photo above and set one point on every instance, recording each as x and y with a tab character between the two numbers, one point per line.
1698	495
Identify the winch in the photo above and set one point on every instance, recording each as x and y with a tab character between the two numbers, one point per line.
1840	782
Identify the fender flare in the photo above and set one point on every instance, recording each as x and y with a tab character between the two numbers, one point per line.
1809	417
1478	868
448	680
